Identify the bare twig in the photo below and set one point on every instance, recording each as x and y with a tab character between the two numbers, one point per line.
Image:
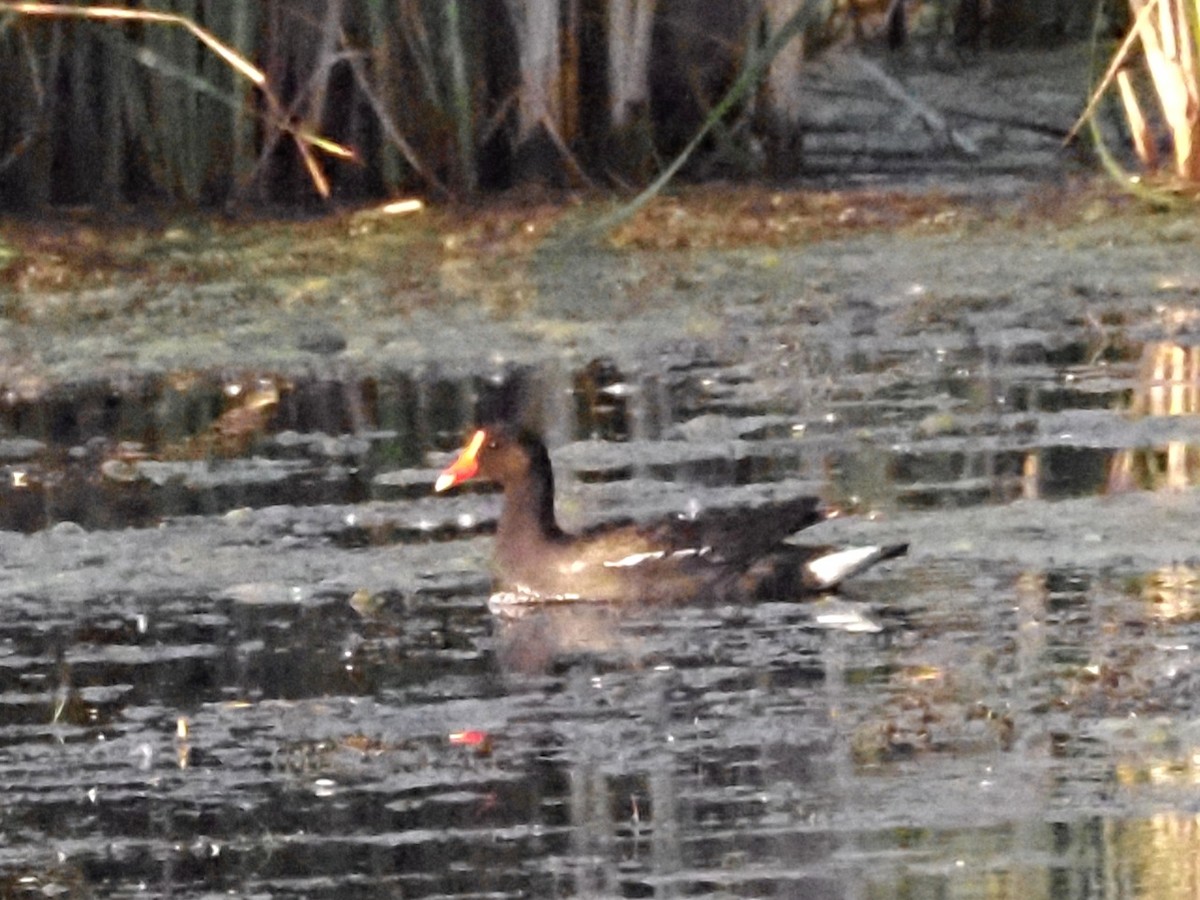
931	117
39	125
392	131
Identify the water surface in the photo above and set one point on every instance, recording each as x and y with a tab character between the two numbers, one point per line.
244	650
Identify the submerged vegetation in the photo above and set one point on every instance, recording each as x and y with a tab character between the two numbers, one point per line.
208	101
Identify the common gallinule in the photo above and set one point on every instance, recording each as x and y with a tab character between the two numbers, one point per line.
722	555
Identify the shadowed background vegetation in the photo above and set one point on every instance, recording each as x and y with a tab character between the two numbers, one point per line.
444	97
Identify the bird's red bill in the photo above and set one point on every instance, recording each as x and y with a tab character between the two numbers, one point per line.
463	468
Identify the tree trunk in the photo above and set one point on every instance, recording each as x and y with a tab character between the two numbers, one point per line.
630	23
539	105
784	95
630	139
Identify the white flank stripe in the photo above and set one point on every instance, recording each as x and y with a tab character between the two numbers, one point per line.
633	559
831	568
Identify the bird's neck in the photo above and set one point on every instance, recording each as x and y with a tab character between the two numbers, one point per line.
529	509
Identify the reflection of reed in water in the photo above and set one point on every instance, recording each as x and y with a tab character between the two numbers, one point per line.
1174	592
1168	385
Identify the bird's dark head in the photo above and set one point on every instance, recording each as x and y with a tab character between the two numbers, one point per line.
499	453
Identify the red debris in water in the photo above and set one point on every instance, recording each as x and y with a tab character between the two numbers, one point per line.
481	741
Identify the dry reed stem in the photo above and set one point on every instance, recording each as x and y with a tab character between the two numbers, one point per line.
238	62
301	136
1143	140
1118	61
1164	28
1172	69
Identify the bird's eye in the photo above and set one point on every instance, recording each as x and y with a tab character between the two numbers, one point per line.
492	445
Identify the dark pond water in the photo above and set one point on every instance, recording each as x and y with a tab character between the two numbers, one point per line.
244	652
